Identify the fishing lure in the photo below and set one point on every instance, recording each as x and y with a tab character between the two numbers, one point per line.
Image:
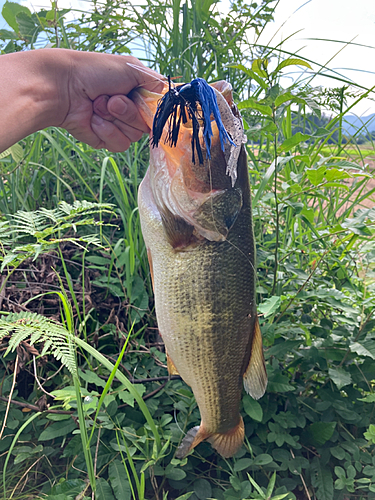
179	104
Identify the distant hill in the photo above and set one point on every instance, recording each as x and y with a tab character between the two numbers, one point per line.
351	123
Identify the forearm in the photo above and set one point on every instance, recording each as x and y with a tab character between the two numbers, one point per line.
33	93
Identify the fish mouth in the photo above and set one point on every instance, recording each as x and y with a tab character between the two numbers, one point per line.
181	185
147	101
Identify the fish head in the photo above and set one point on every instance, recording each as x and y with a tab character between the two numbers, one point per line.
206	195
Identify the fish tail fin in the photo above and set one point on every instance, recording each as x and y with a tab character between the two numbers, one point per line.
227	443
255	376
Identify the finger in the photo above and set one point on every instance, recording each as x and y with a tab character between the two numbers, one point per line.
124	110
107	74
100	107
110	135
130	132
156	84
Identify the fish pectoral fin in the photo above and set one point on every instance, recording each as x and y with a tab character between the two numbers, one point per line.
255	376
227	443
177	230
172	370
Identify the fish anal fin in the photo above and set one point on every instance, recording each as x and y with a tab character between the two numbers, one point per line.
172	370
227	443
149	256
255	376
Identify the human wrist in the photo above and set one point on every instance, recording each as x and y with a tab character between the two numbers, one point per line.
52	95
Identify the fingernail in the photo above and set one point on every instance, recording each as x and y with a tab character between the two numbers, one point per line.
96	120
119	106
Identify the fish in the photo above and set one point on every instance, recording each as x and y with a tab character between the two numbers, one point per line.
196	218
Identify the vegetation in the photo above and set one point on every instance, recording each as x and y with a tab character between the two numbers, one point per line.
86	406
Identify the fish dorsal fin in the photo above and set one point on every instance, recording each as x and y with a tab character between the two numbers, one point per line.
255	376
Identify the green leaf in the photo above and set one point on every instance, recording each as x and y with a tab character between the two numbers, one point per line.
8	35
293	141
334	174
10	11
252	408
254	104
251	74
282	347
176	474
242	464
370	433
340	377
257	67
361	351
316	175
270	306
370	398
307	213
292	61
186	496
202	489
119	480
338	452
27	27
56	430
5	153
262	459
288	96
340	473
92	378
103	490
17	152
71	487
321	478
235	482
320	432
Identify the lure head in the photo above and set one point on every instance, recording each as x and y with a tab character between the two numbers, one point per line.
182	186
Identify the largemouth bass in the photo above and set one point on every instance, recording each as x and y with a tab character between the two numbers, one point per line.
197	225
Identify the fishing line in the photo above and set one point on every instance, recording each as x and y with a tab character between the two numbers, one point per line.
163	79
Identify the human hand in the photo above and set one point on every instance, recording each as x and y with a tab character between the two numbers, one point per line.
99	111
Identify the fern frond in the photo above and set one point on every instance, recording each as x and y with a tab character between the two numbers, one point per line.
47	227
43	222
57	339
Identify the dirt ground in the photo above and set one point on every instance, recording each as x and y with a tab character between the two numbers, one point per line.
370	202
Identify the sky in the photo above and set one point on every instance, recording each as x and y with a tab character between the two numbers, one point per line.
341	20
